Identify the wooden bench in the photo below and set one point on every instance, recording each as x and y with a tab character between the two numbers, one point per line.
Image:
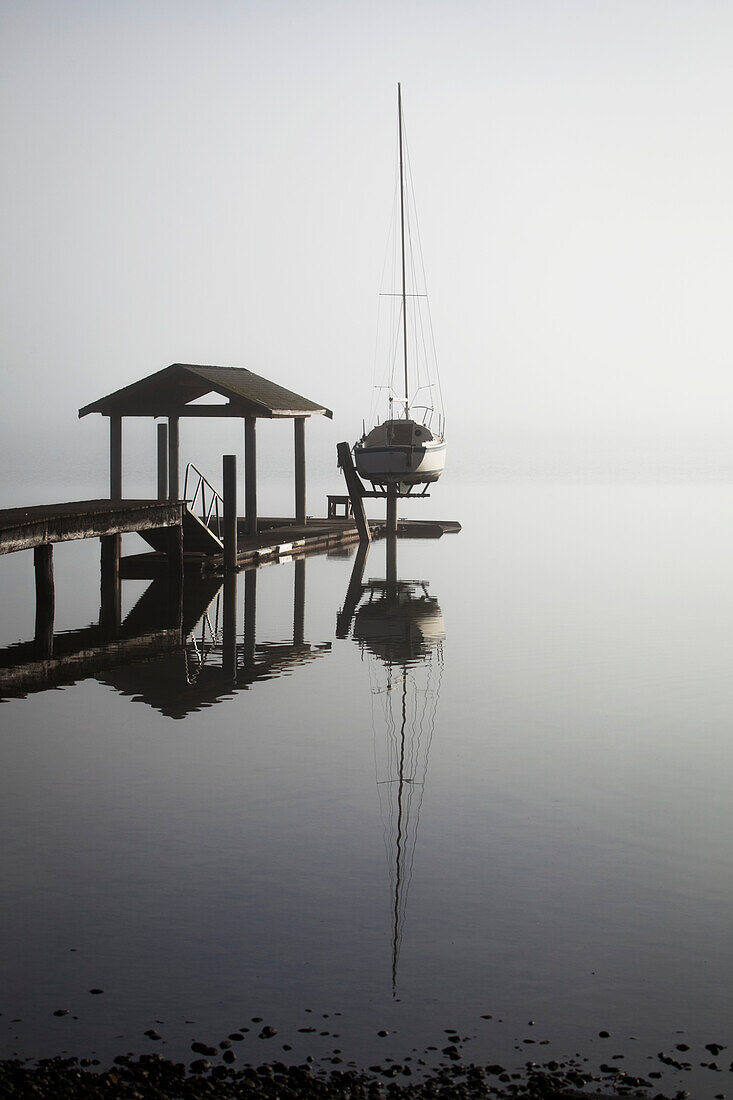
335	502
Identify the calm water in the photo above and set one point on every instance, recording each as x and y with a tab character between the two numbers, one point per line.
505	791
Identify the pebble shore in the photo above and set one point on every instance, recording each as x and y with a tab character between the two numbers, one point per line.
153	1077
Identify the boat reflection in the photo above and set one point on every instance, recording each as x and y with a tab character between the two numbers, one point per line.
175	656
399	626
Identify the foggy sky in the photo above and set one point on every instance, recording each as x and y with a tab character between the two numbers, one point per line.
211	182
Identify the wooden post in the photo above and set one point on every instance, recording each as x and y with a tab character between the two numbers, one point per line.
175	574
111	603
162	462
392	511
45	600
391	541
229	482
115	458
356	490
250	474
299	423
173	458
250	617
299	602
229	654
391	551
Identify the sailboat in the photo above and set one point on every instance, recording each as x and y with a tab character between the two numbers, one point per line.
408	448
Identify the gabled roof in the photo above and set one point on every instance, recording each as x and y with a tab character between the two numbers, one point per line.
169	392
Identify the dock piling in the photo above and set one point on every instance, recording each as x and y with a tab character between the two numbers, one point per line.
250	618
175	574
299	602
45	600
229	650
229	483
110	612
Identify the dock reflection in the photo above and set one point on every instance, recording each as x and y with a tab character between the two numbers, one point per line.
399	626
175	655
217	658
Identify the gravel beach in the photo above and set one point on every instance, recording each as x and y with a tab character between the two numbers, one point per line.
152	1077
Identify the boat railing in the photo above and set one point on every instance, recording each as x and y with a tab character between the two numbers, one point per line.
427	412
210	503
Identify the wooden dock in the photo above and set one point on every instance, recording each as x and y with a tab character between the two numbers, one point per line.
166	525
45	524
40	526
280	537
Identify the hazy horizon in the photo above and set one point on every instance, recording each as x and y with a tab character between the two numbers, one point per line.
188	182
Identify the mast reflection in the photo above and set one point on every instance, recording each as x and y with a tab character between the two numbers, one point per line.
399	626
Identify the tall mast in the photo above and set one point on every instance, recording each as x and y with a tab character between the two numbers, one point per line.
402	237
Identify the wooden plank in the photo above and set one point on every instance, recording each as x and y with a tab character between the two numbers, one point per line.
356	490
24	529
353	593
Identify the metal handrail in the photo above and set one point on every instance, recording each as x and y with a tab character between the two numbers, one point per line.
211	515
197	651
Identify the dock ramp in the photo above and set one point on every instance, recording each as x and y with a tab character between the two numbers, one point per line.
203	517
197	537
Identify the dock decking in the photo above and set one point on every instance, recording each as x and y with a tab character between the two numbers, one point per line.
45	524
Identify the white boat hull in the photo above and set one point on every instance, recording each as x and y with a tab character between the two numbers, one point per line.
404	465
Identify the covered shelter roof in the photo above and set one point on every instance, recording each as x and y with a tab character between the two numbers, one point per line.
171	391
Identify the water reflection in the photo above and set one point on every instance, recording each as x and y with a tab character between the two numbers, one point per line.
175	656
155	624
218	659
399	626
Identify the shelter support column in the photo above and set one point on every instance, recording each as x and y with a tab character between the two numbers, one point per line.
299	423
250	474
173	458
162	462
115	458
45	600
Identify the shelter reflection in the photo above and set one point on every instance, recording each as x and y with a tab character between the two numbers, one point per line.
217	658
175	656
399	626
